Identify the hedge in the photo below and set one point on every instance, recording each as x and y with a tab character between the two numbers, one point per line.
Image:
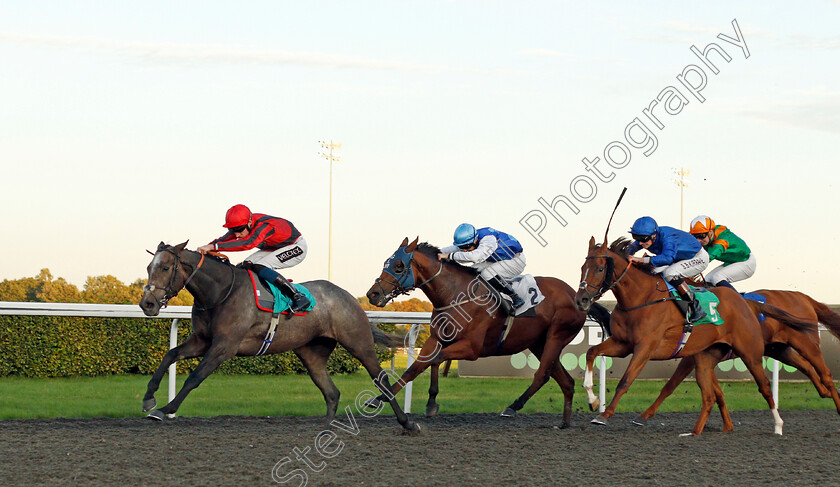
61	346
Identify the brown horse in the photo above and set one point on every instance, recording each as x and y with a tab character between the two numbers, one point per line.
226	322
647	325
788	344
468	320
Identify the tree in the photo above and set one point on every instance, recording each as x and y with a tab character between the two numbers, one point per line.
19	290
59	291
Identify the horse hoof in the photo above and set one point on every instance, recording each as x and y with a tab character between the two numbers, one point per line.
594	405
432	410
639	421
599	420
412	429
374	403
156	415
149	404
508	413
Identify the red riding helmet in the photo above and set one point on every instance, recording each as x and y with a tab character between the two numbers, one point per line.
237	216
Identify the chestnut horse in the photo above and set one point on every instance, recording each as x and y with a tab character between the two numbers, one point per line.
646	324
791	345
468	320
226	322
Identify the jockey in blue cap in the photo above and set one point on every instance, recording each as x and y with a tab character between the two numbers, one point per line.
677	255
496	255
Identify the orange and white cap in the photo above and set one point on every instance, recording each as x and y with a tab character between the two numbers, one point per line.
701	224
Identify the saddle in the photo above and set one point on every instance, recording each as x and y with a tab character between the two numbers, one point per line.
269	298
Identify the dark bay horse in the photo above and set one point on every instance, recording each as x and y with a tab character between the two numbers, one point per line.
645	324
468	320
226	322
788	344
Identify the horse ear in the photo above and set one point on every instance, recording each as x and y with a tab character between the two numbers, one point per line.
412	246
180	247
404	242
591	242
161	245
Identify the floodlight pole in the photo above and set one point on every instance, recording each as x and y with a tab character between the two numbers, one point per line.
328	155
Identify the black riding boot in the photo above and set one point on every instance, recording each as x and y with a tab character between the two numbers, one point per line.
299	300
687	294
503	287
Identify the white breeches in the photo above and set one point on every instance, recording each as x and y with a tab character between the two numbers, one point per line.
685	268
506	269
282	258
733	272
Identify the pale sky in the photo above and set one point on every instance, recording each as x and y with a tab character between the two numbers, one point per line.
124	124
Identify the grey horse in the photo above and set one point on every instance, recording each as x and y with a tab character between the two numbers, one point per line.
226	323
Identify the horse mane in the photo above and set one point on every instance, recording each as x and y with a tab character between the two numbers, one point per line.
432	251
620	245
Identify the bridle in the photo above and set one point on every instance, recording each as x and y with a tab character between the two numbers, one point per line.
404	280
608	283
170	292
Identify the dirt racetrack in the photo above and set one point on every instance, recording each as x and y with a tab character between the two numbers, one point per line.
469	449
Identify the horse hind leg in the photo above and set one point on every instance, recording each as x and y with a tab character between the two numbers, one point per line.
706	381
314	356
432	407
366	354
548	358
757	371
811	353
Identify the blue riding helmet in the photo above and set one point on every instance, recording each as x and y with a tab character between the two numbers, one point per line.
645	226
465	234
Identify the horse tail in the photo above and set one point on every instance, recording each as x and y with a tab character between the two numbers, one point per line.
388	340
827	317
601	315
788	319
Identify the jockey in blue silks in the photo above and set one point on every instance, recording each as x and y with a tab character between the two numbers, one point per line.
496	255
677	255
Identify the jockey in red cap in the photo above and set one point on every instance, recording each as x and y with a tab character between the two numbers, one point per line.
280	246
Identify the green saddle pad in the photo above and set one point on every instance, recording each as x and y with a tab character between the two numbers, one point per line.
282	303
708	303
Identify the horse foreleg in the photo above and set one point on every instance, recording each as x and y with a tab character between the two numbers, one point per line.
609	347
216	354
193	346
637	363
684	368
432	407
314	356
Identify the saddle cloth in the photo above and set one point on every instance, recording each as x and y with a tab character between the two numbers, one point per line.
269	298
708	302
526	288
